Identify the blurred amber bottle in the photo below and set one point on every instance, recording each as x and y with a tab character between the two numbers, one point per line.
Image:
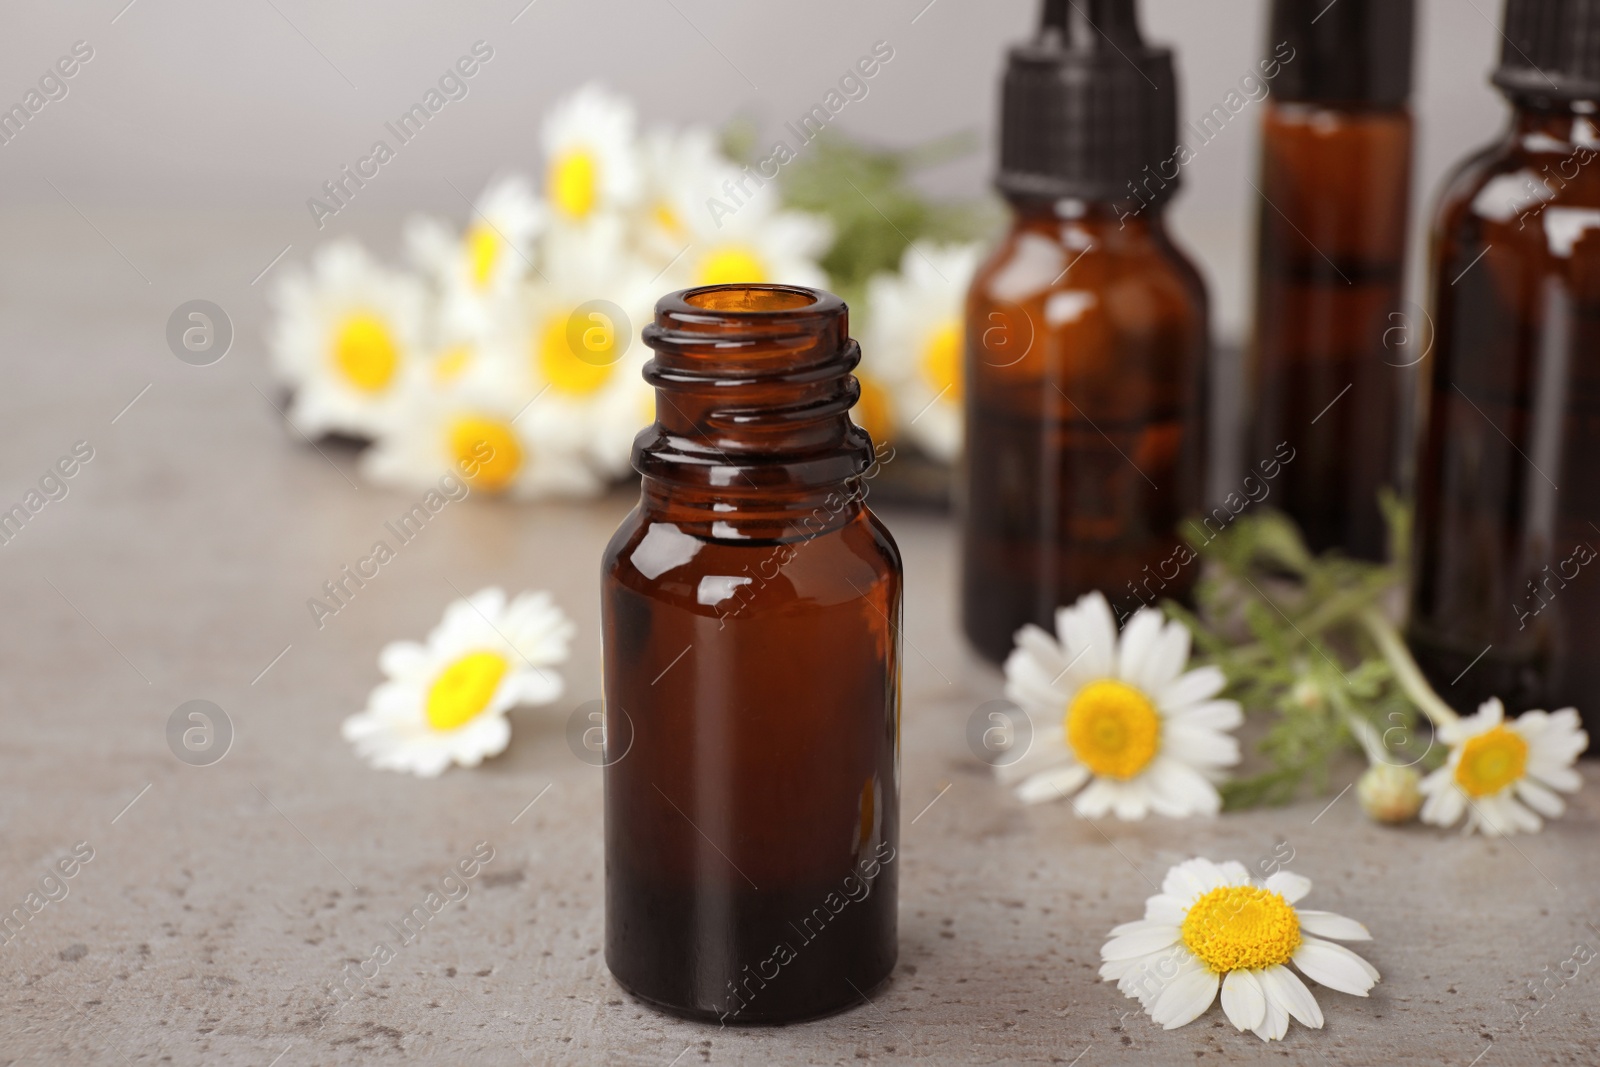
751	608
1330	366
1086	339
1506	593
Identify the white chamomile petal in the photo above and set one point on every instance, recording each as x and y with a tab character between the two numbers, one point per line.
1193	688
1052	785
1335	966
1147	735
1283	987
1327	924
1046	752
1292	887
444	702
1243	1001
1185	998
1138	640
1276	1022
1152	937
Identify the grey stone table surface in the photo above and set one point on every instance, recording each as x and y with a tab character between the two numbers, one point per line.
222	902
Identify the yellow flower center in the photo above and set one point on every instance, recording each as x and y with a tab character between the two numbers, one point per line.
1490	761
1241	928
365	352
872	411
574	183
483	252
667	218
941	360
733	263
1113	729
486	450
452	364
464	689
567	371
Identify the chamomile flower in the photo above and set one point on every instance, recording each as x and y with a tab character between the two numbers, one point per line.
445	701
483	437
348	339
591	152
684	172
1137	733
915	344
573	342
733	232
1503	775
478	271
1211	927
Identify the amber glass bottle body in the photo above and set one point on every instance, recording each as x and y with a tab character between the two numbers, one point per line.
751	608
1506	594
1331	362
1086	356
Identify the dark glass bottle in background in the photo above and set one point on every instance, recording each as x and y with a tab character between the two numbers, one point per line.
1506	593
1086	340
1330	366
751	608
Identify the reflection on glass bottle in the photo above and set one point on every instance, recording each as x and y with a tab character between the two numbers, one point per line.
1086	340
751	608
1506	596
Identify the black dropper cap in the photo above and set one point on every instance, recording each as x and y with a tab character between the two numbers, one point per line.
1086	106
1346	52
1551	50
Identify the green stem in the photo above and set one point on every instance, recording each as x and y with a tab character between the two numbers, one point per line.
1337	610
1405	668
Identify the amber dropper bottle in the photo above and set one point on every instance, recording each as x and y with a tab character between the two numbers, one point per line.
1506	592
751	610
1086	339
1331	367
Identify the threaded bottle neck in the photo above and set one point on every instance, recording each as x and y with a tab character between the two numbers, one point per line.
753	392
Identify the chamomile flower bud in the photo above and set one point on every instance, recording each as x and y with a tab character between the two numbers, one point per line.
1389	793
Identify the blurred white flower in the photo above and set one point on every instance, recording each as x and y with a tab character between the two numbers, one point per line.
591	153
1503	775
477	272
481	433
348	338
1119	716
915	344
573	342
446	701
683	170
1211	929
716	236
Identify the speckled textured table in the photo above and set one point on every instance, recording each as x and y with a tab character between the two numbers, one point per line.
222	902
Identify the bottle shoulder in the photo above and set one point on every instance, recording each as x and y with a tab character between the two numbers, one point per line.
701	574
1094	299
1515	180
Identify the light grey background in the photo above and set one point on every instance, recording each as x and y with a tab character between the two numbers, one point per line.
208	111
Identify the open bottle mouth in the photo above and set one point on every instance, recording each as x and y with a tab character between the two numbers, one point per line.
752	299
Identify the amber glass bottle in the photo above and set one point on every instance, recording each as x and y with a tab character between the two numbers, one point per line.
1086	340
751	608
1331	367
1506	594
